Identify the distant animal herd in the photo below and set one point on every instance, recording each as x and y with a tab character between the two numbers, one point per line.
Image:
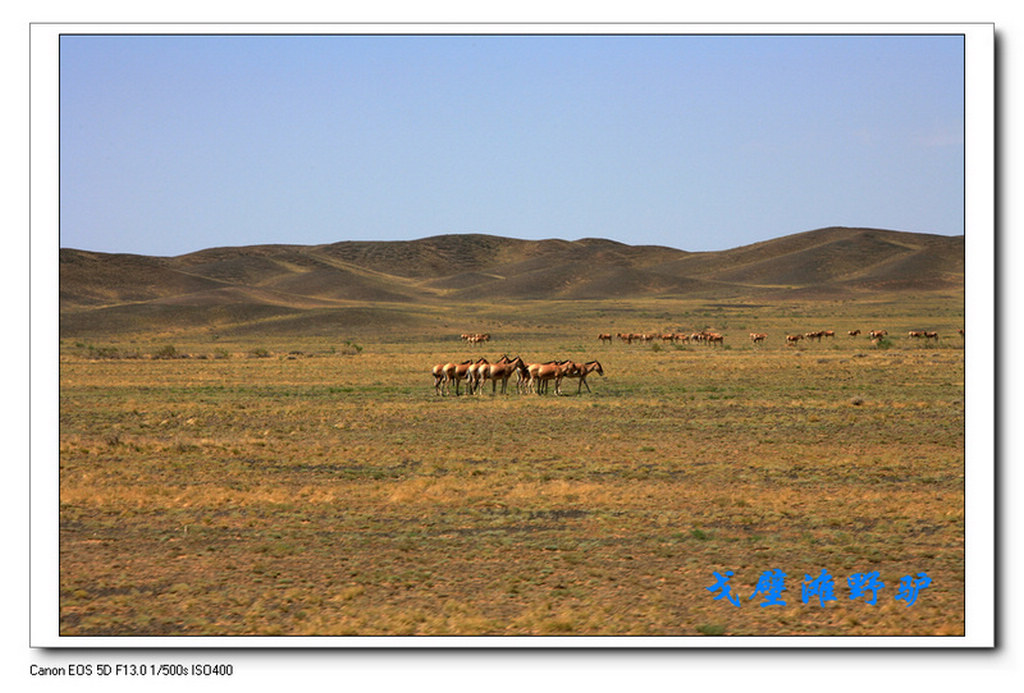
536	377
716	339
476	338
712	338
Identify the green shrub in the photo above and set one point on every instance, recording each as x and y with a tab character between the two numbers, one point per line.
709	629
107	352
166	352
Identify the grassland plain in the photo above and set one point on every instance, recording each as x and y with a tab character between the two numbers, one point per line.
306	486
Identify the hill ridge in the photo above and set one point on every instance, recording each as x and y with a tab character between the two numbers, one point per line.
428	273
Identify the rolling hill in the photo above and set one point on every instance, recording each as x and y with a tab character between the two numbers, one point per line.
328	287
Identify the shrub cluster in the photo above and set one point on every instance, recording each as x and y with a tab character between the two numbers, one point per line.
167	352
91	351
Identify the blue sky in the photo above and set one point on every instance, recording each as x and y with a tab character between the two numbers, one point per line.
170	144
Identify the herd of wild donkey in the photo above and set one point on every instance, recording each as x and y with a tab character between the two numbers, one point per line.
530	377
535	377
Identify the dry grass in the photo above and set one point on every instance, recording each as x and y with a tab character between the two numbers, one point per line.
334	494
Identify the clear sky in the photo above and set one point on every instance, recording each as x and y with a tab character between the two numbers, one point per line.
170	144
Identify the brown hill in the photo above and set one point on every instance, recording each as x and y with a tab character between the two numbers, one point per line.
90	279
292	287
827	255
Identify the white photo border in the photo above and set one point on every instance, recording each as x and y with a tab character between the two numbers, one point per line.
980	453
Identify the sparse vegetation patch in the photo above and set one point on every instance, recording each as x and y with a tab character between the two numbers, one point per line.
306	496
